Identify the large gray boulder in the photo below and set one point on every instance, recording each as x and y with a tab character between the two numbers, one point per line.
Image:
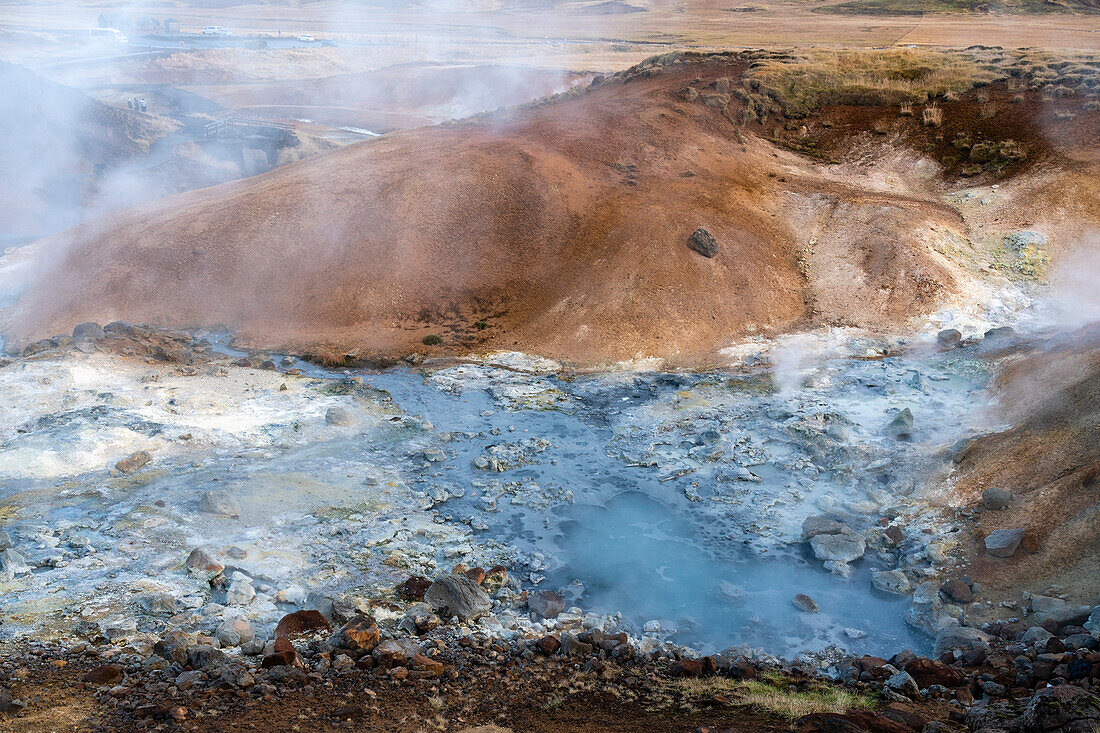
844	546
1058	611
457	595
890	581
967	640
1093	624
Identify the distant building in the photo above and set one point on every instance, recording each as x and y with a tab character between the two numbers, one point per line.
171	26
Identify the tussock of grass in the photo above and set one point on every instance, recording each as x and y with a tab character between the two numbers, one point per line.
777	695
887	77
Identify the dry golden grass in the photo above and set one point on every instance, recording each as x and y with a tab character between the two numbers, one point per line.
776	695
932	115
878	77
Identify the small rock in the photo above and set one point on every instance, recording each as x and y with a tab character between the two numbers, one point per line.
339	416
1003	542
702	242
361	634
187	680
949	337
904	684
962	638
302	623
219	502
803	602
901	427
236	675
958	591
996	499
548	644
240	593
12	564
88	331
457	595
414	588
234	632
5	540
546	603
200	562
106	674
134	461
890	581
842	547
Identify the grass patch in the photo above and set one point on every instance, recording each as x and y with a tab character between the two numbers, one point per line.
432	339
778	695
801	84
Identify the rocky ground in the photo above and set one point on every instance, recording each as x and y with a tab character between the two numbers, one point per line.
205	636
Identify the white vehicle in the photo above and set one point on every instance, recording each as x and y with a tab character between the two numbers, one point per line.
306	38
214	30
111	34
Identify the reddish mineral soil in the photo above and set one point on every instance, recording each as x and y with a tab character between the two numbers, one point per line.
559	228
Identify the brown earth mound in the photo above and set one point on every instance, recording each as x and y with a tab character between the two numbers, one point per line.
1050	461
561	228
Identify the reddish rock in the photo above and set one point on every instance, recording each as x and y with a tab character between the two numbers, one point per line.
548	644
414	588
279	659
894	534
957	591
848	722
495	579
867	663
282	644
931	672
905	714
687	668
361	634
421	663
476	574
301	623
399	673
133	462
106	674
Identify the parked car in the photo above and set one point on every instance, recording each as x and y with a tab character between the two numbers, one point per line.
214	30
306	38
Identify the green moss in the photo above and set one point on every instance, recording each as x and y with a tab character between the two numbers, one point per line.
432	339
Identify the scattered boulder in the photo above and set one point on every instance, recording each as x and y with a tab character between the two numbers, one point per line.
240	591
703	242
901	427
842	547
949	337
5	540
1065	708
303	623
88	331
361	634
546	603
803	602
419	619
414	588
903	683
134	461
1003	542
548	644
234	632
339	416
962	638
457	595
958	591
201	562
996	499
12	564
928	672
106	674
890	581
1047	608
219	502
395	652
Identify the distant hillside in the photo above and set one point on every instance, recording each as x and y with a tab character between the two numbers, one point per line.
920	7
55	136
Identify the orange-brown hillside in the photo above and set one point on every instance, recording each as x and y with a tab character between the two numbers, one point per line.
560	228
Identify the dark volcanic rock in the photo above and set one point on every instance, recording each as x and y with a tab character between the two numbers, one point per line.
1066	709
103	675
88	331
702	242
414	588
